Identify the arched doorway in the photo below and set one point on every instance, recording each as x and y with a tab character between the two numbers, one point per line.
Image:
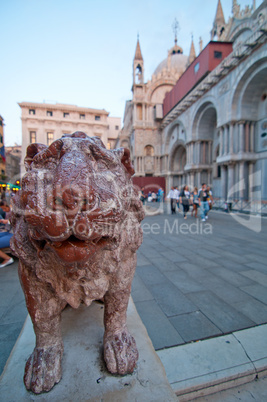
177	165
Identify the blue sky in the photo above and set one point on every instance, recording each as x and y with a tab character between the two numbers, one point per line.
81	51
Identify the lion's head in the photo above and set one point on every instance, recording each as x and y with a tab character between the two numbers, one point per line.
75	195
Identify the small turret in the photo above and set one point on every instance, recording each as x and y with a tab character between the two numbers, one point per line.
138	65
219	23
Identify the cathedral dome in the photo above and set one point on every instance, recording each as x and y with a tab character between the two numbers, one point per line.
176	61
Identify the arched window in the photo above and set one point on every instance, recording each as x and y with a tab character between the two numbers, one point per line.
139	112
149	150
138	74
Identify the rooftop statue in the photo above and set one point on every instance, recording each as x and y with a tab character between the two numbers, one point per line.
76	231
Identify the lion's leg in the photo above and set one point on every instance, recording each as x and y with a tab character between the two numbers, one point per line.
120	351
43	368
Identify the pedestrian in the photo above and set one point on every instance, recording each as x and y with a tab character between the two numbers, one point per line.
160	197
185	199
172	196
195	202
5	237
203	202
210	200
142	196
177	196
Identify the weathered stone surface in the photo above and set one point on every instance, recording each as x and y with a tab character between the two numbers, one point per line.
77	229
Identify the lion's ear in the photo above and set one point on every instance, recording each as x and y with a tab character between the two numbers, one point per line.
32	150
126	160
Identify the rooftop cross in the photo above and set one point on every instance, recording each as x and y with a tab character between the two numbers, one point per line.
175	27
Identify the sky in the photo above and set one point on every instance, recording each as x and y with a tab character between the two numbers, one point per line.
80	52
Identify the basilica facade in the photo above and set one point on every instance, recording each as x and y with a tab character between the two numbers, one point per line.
204	119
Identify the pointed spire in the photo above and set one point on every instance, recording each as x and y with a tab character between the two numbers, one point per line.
192	54
254	5
219	18
138	54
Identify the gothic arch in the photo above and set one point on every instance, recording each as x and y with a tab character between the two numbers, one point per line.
158	93
205	122
175	132
177	158
249	91
241	34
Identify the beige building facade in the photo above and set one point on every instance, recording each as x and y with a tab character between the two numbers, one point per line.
217	132
44	123
13	161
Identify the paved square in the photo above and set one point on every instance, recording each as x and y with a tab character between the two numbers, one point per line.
196	280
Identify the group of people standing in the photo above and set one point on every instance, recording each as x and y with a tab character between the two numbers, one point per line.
198	199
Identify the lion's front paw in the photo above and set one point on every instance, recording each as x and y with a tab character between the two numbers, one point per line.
43	369
120	352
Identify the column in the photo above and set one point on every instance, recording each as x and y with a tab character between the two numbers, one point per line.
204	152
192	181
188	153
241	136
252	137
241	180
250	181
209	178
198	180
223	182
247	129
225	140
143	164
221	142
231	138
230	182
210	153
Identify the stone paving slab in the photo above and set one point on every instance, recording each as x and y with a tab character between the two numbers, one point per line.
209	366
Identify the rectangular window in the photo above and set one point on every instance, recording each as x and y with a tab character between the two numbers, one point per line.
49	113
65	114
1	123
50	138
117	127
196	68
31	111
217	55
97	118
82	116
32	137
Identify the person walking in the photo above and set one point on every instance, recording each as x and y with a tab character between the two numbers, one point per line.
195	202
177	196
184	200
210	200
203	202
172	196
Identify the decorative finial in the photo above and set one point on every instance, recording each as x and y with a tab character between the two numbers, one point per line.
175	27
137	35
200	44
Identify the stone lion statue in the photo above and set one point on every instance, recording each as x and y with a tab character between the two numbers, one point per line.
76	231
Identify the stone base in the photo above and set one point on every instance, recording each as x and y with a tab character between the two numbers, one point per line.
84	374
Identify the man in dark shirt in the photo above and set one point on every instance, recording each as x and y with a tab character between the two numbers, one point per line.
203	202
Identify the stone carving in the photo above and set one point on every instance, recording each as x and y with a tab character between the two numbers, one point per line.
76	232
